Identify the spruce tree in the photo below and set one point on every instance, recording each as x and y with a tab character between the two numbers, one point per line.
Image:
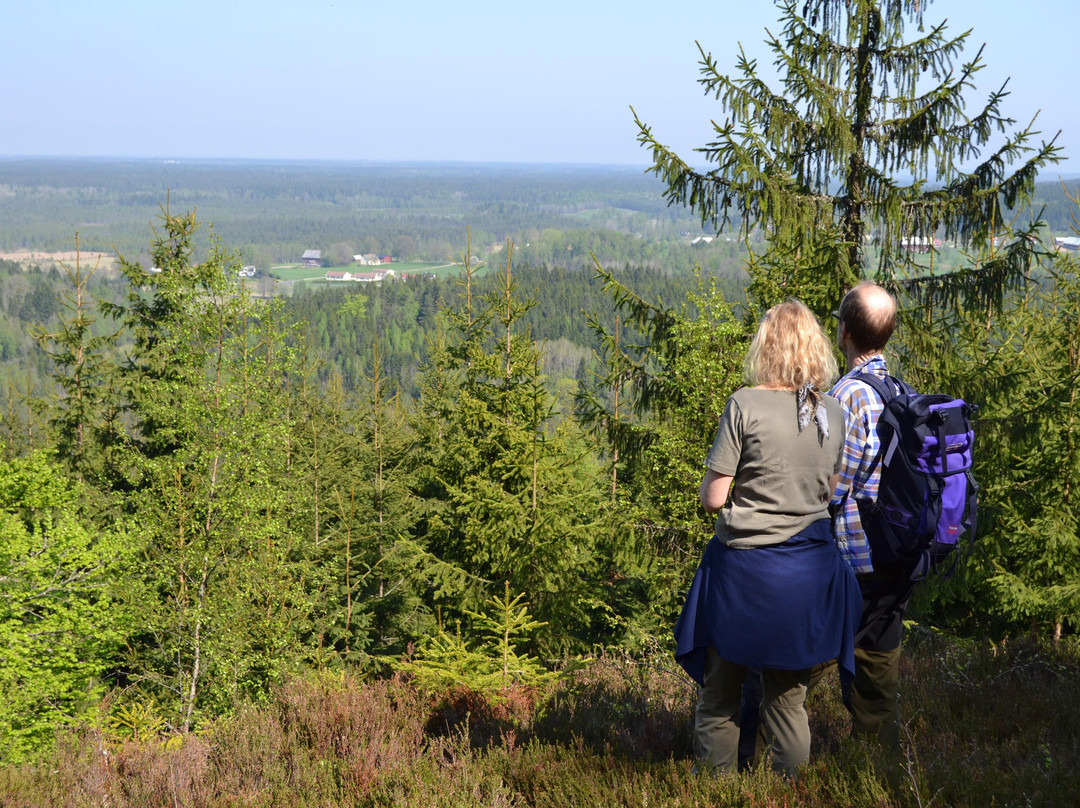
354	459
511	498
866	145
667	372
219	590
85	418
1021	367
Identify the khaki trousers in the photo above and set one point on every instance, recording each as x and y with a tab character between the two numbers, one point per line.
783	715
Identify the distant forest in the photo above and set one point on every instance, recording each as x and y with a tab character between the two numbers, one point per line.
271	212
559	221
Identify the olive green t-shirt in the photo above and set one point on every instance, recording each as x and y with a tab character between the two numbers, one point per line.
781	475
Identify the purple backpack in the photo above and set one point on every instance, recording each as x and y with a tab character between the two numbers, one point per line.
927	499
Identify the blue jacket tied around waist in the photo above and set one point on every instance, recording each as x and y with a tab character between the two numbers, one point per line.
788	606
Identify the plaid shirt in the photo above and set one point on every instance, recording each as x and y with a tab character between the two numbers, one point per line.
862	407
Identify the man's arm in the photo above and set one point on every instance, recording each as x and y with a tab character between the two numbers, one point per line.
856	443
860	445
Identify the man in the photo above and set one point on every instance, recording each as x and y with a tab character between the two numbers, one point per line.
867	317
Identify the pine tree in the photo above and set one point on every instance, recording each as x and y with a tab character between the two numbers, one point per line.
865	146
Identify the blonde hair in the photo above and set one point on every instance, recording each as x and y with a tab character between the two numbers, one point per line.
790	350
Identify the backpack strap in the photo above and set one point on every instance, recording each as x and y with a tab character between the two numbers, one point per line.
886	388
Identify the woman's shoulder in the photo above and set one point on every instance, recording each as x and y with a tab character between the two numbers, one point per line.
752	397
760	403
746	393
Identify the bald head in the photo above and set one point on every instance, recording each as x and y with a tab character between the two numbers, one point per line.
868	313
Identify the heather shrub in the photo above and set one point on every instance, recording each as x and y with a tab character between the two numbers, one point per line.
640	707
984	725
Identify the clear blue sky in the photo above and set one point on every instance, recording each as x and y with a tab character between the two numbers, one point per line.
471	81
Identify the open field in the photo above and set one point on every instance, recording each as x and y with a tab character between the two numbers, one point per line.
295	272
64	256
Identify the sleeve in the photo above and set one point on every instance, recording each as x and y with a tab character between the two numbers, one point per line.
841	433
723	457
855	443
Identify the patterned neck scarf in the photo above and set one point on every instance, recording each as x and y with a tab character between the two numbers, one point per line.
810	406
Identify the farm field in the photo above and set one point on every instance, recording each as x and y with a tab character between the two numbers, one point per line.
296	272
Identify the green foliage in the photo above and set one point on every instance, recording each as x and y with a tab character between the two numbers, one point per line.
219	583
85	420
491	663
667	374
510	498
400	318
1021	366
139	721
1034	548
354	457
60	623
355	306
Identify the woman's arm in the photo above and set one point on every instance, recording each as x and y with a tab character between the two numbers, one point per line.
714	490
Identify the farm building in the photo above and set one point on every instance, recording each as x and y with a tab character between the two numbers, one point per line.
919	244
369	277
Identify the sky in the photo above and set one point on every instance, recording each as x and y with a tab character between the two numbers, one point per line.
472	81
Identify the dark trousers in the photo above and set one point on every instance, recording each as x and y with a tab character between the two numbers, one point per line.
873	697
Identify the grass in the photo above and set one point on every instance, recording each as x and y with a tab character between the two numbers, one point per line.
985	725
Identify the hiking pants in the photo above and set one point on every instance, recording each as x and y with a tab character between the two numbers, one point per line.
783	715
872	699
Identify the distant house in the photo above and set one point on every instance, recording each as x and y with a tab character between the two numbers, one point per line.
367	259
703	240
246	272
340	275
919	244
1071	243
386	259
372	277
312	258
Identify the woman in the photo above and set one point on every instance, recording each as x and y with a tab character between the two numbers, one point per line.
771	590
